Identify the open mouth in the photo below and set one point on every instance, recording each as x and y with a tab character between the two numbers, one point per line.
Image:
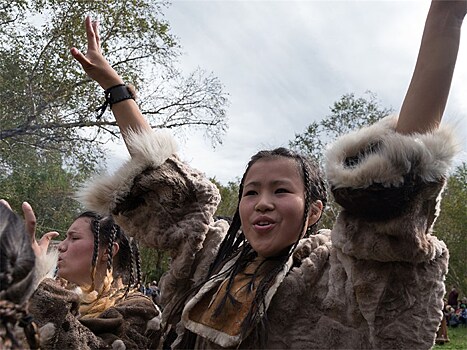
263	223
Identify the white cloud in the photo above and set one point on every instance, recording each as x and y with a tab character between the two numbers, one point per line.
285	62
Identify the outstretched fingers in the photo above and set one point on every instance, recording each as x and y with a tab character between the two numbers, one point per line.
92	34
44	242
5	203
40	248
29	220
95	27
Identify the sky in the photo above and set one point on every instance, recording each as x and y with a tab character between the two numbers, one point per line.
284	63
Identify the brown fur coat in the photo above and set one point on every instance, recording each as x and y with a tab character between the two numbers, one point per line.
374	281
126	325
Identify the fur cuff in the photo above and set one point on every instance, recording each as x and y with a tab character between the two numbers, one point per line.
45	266
379	155
148	149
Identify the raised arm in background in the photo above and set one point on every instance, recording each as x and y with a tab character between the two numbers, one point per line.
425	101
127	113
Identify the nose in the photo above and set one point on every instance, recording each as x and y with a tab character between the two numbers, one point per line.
61	246
265	203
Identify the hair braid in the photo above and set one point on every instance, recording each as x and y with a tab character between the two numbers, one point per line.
131	264
95	226
308	194
110	249
314	189
137	258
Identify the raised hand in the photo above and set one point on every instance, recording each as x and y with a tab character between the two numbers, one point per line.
426	97
39	248
93	62
126	112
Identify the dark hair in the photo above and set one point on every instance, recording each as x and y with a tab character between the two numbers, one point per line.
315	189
17	277
234	243
127	262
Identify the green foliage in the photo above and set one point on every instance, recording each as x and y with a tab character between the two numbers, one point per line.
42	182
229	198
347	114
154	263
47	100
49	136
457	339
451	227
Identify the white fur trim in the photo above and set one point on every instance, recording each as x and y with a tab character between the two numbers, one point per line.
154	324
221	338
425	155
46	333
118	345
148	149
45	266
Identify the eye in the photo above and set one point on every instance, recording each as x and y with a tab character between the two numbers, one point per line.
249	193
282	190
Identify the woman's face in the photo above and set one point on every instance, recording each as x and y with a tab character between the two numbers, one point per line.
75	253
272	205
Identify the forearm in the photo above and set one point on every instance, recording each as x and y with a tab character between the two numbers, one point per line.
426	98
126	112
129	117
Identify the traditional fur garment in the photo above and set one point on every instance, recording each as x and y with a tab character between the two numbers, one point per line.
375	281
20	274
126	322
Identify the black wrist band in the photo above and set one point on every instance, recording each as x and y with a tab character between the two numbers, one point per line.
117	94
113	95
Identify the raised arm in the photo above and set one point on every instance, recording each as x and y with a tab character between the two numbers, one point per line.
127	113
425	101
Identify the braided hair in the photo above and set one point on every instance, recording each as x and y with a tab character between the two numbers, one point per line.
236	245
126	264
17	282
234	242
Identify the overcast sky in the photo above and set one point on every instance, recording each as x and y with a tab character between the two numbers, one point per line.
284	63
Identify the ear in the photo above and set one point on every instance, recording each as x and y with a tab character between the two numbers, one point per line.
315	212
115	250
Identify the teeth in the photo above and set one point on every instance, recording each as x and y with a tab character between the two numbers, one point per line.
263	223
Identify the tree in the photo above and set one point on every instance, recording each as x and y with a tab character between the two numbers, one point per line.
49	102
347	114
350	113
46	186
154	263
229	198
48	109
451	227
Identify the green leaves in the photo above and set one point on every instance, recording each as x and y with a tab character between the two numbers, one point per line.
347	114
49	136
451	224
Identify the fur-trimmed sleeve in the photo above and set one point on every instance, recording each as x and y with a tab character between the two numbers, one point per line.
158	199
389	185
